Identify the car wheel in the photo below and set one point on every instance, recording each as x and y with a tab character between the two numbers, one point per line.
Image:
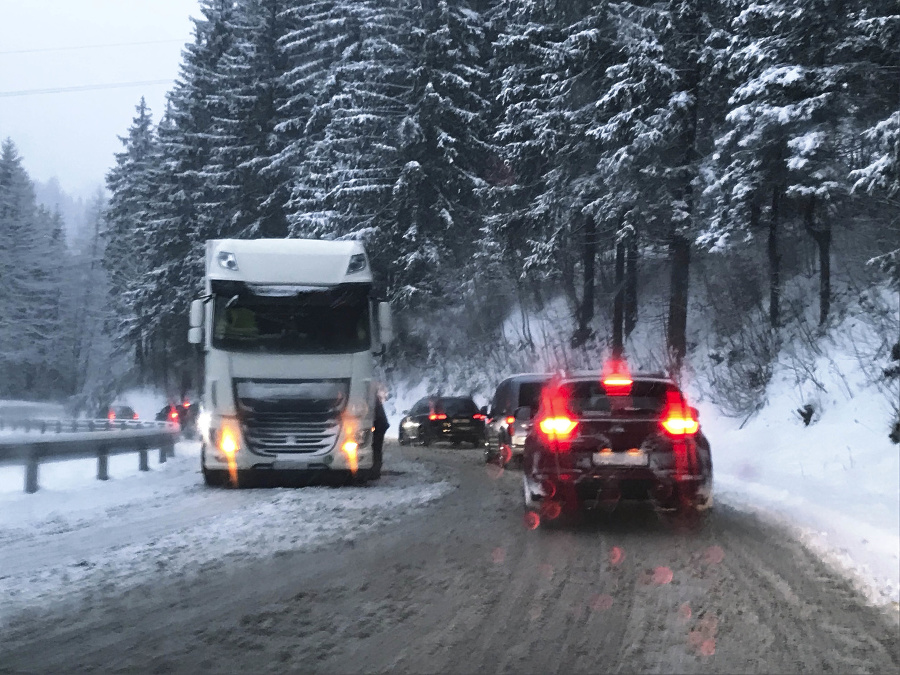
401	437
529	501
426	436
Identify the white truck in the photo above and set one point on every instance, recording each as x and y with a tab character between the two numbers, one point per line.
289	331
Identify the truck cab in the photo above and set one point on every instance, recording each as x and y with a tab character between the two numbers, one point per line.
289	330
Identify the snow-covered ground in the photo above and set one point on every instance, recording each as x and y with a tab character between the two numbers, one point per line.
835	483
78	535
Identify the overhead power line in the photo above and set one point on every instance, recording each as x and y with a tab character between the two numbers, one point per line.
113	44
84	87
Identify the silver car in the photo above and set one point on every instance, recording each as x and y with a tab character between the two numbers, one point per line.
504	435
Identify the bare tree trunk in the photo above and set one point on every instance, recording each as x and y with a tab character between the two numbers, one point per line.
680	249
631	299
619	302
774	261
822	236
586	315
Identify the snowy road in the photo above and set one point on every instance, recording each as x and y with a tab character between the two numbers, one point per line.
457	585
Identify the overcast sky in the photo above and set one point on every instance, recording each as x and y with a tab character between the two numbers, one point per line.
60	44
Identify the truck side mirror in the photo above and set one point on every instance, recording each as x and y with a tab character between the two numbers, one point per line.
195	335
196	314
385	323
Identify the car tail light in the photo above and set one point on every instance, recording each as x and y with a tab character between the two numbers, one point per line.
616	378
174	414
676	417
557	428
111	415
510	420
478	416
135	416
437	416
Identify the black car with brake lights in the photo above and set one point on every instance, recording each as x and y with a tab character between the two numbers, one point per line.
598	440
443	418
184	415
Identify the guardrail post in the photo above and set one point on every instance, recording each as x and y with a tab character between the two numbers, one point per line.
163	453
142	463
170	449
102	464
31	471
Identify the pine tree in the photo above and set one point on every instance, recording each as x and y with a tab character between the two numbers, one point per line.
32	257
876	84
252	188
435	204
344	186
128	222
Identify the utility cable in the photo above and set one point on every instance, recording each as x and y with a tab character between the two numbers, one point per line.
84	87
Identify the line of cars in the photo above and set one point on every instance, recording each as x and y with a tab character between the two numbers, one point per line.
584	440
182	414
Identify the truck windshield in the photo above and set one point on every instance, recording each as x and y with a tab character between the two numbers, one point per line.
310	321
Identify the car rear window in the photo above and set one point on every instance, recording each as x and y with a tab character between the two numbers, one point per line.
587	397
530	394
456	406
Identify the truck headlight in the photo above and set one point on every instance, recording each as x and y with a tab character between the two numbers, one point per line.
228	439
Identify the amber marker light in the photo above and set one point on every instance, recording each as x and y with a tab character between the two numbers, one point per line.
228	444
350	448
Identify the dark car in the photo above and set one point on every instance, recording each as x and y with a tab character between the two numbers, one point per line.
504	437
119	412
596	441
443	418
184	415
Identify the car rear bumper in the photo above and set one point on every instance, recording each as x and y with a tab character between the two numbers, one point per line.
592	488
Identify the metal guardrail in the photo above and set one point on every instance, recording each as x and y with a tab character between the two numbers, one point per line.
80	439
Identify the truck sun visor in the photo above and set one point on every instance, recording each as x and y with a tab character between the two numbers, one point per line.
266	393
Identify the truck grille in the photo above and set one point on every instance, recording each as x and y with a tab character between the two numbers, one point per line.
291	432
291	416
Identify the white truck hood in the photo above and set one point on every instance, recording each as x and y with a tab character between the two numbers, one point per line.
295	367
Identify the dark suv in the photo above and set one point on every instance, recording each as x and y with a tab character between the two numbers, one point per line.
504	435
443	418
595	441
184	415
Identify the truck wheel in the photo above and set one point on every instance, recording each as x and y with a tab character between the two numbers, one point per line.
215	478
377	454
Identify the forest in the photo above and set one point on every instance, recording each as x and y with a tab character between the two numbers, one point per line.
538	183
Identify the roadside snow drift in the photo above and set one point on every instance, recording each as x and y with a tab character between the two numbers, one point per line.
105	537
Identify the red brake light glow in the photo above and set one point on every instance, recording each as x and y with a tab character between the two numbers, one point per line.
510	420
676	416
478	416
557	428
437	416
111	415
616	378
174	414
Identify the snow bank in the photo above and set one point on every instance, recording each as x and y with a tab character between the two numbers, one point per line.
111	536
836	482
